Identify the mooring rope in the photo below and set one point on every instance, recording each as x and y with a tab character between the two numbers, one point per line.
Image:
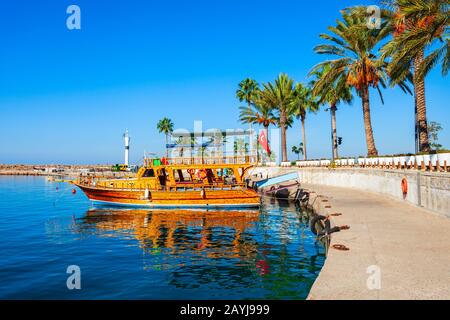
61	195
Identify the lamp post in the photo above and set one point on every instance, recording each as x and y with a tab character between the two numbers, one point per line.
334	144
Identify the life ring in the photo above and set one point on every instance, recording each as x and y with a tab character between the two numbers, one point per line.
404	187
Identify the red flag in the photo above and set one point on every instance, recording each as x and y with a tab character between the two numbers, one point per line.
264	142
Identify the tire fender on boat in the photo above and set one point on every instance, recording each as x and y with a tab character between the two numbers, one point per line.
325	223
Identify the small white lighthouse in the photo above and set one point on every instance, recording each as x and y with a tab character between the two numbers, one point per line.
126	139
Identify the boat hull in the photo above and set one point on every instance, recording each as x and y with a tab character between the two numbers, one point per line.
171	199
287	190
282	187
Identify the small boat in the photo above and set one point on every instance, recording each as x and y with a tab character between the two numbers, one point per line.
168	184
285	186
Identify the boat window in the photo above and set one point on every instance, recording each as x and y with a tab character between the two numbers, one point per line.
210	176
181	176
162	177
227	172
228	175
149	173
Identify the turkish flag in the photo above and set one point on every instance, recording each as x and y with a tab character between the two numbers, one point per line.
264	142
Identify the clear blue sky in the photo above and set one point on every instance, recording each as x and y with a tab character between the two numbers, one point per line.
67	96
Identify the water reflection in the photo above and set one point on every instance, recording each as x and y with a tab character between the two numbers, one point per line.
177	230
229	254
140	254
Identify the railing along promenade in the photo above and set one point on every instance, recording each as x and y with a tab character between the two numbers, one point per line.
439	162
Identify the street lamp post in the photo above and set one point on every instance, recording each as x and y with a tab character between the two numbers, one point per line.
334	144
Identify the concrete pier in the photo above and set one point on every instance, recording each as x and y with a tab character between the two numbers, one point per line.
396	250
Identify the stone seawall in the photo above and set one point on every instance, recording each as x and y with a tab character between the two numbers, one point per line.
71	171
425	189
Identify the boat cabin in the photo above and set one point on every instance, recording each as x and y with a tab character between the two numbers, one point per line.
165	176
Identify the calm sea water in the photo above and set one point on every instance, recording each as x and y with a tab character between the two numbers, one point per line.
142	254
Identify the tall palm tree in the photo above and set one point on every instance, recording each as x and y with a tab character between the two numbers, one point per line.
418	26
260	114
248	90
280	95
354	46
331	93
303	101
165	126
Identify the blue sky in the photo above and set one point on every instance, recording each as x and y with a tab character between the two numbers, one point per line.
67	96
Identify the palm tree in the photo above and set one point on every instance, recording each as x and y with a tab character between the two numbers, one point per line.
418	26
354	44
303	101
279	95
165	126
247	91
331	93
179	141
261	114
298	150
240	147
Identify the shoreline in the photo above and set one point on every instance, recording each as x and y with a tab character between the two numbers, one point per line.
59	170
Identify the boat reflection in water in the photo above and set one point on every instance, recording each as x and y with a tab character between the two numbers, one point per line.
177	230
195	254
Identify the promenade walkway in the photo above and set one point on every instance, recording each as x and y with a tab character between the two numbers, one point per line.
408	247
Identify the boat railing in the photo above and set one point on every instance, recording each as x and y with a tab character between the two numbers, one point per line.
206	160
131	186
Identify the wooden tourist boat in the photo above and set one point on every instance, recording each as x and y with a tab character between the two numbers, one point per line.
177	183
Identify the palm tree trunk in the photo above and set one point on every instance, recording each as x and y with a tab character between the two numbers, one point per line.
283	134
250	129
416	128
167	149
266	133
371	149
333	131
304	138
419	91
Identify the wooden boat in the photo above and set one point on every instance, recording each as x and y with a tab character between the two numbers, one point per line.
169	184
